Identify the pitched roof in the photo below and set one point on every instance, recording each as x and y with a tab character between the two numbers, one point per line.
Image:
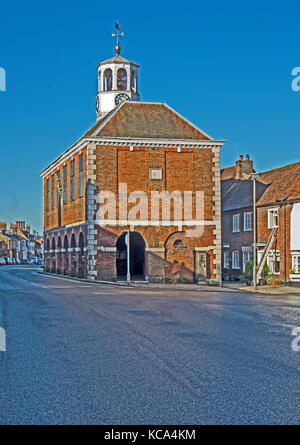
146	120
116	59
228	172
4	237
282	183
238	194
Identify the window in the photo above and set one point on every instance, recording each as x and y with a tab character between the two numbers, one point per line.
226	260
178	244
58	188
47	195
248	221
133	86
236	260
107	80
53	193
296	263
73	180
65	184
122	79
247	256
274	262
81	176
272	218
236	223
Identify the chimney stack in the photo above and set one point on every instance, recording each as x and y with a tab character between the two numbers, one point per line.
20	225
243	167
13	228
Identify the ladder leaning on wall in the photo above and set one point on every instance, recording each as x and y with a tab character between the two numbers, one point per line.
266	252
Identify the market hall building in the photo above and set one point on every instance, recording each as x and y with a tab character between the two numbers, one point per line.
135	150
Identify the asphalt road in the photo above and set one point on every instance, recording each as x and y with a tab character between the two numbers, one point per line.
92	354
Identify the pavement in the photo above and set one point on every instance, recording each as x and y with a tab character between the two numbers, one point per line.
81	353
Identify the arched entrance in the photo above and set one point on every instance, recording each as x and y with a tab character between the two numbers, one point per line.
137	256
81	256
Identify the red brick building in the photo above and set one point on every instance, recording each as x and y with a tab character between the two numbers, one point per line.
278	212
135	151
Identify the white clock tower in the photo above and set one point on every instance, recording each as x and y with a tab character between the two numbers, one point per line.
117	81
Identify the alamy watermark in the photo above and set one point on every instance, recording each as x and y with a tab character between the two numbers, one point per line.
296	80
2	340
2	79
160	208
296	341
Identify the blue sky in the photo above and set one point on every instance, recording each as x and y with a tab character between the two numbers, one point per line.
224	65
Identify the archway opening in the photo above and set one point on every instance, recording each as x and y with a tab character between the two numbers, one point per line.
137	256
122	79
107	80
82	258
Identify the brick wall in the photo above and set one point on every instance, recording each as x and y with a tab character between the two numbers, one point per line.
236	240
72	211
283	235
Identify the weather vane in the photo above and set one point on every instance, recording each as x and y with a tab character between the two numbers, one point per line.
118	34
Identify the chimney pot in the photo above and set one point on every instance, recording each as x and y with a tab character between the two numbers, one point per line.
247	157
241	157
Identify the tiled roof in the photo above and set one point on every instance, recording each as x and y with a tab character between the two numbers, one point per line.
283	183
228	173
238	194
280	183
3	237
146	120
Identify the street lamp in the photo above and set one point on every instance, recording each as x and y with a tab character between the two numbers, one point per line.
253	177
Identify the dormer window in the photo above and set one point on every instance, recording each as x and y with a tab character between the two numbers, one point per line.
122	79
107	80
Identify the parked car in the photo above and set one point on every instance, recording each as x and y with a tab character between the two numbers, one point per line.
40	262
2	261
25	261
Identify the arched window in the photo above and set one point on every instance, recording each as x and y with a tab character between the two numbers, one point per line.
53	244
133	81
81	241
59	243
73	241
48	245
107	80
122	79
178	244
66	244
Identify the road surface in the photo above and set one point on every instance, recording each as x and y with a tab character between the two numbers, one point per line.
81	353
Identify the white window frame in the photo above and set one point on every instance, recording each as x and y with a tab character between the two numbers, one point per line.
236	227
248	216
226	259
271	212
271	261
296	262
247	255
236	260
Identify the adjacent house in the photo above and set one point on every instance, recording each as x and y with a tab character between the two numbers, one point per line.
18	242
278	223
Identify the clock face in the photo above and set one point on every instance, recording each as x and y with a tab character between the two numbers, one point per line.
121	98
97	103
